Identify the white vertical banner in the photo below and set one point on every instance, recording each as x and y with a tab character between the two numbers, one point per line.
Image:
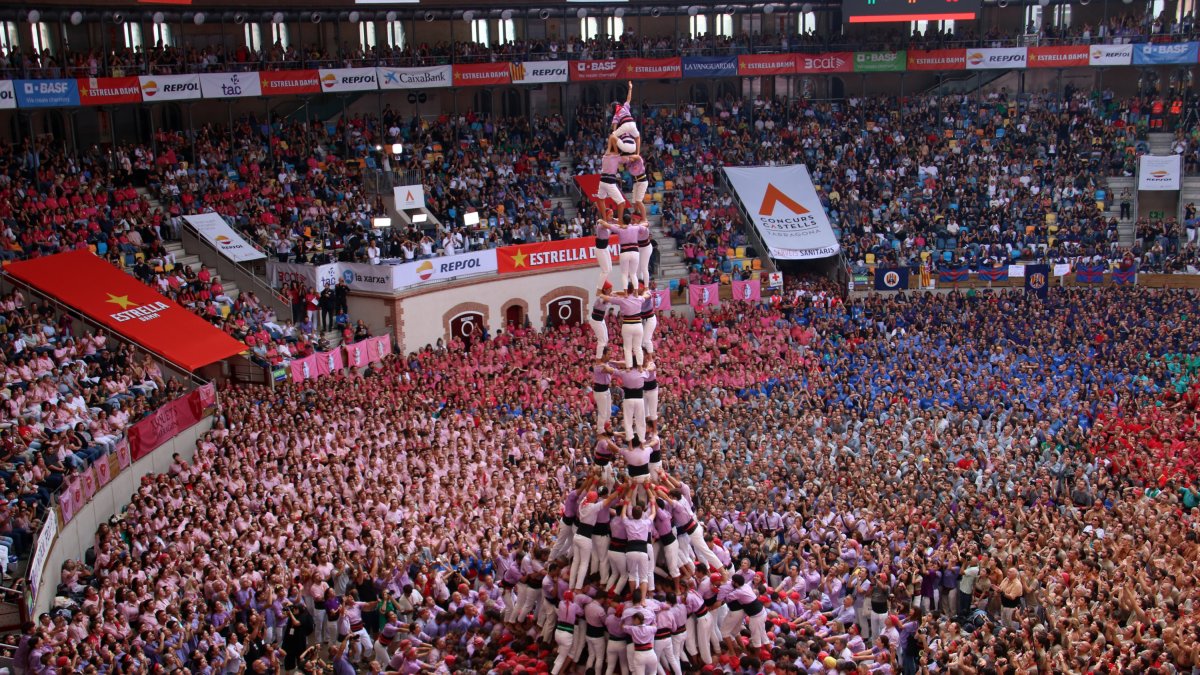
41	549
409	196
786	211
217	232
1156	172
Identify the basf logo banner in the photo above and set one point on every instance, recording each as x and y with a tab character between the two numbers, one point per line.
786	210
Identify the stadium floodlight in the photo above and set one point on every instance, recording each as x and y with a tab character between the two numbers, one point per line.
381	222
419	218
397	149
471	218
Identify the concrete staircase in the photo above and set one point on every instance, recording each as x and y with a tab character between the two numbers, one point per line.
183	256
1189	193
1160	143
1117	185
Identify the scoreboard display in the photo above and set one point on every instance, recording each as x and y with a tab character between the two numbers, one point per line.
882	11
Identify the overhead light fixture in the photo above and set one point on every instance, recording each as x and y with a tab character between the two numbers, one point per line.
391	16
471	218
419	218
76	18
381	222
198	19
34	16
354	17
397	148
159	17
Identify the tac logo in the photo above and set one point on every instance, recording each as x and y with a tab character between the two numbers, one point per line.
150	88
1037	281
329	81
773	197
425	270
975	58
891	279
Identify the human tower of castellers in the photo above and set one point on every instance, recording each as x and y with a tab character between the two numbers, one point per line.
631	576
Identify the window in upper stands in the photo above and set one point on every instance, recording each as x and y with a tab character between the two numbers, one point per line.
279	35
253	37
723	25
479	32
395	34
922	27
506	31
8	36
589	28
366	35
807	23
41	38
133	34
162	35
699	25
614	26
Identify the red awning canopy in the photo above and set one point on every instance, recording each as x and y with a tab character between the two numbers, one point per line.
108	296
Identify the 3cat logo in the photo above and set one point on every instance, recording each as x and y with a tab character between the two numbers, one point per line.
774	197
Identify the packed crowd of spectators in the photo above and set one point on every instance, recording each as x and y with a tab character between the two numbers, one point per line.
197	56
933	483
68	395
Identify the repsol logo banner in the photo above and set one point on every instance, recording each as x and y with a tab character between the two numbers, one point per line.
334	80
8	99
169	87
411	275
997	58
538	72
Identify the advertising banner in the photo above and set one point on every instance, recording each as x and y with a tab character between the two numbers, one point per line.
8	98
413	274
591	71
368	277
937	59
1159	172
217	232
289	82
998	57
46	93
109	90
170	420
1067	56
427	77
105	294
880	62
41	550
544	255
334	80
832	62
314	277
230	85
752	65
750	291
1181	53
1110	55
481	74
538	72
702	295
786	211
710	66
650	69
409	196
170	87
